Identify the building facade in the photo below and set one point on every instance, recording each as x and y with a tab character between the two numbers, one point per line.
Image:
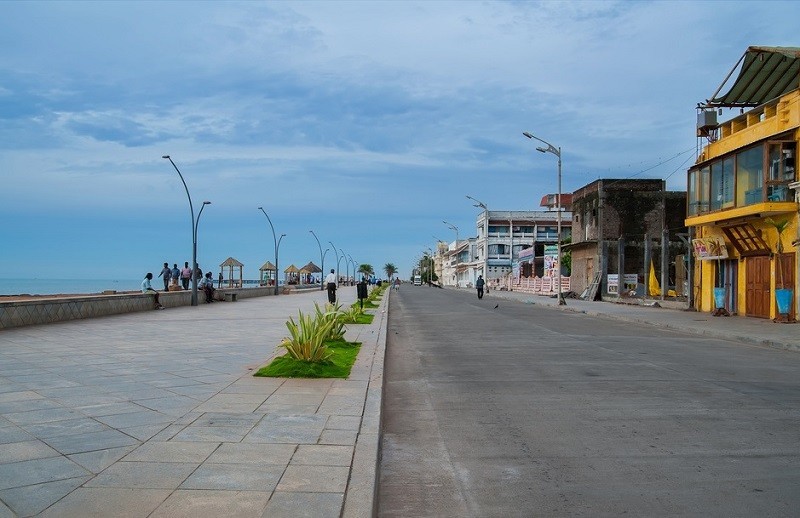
743	191
504	235
620	227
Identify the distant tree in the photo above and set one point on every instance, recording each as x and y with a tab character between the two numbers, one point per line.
366	270
390	270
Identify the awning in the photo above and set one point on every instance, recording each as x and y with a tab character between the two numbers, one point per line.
766	74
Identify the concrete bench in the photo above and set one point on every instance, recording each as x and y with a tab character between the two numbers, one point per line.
231	297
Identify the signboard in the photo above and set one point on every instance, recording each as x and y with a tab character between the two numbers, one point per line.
629	282
612	283
526	254
708	248
550	261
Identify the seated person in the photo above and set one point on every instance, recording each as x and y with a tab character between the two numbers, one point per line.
148	288
208	287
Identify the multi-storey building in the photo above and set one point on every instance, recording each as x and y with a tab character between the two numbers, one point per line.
503	235
742	191
616	224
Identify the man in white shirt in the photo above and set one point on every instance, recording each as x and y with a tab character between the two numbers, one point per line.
330	281
148	288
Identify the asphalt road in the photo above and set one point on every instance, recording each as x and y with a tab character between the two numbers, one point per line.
524	410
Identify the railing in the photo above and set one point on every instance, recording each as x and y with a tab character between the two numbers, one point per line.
537	285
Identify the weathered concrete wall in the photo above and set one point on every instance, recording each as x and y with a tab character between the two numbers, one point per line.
58	309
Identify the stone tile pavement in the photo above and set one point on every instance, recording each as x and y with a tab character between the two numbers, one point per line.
157	414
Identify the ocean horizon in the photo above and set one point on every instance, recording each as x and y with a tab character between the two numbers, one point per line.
81	286
70	286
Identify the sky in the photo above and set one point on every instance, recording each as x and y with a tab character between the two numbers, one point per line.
366	122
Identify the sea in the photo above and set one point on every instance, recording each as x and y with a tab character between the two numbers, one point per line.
69	286
80	286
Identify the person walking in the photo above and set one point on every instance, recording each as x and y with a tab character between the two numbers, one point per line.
186	275
147	288
166	274
479	285
397	284
330	282
220	280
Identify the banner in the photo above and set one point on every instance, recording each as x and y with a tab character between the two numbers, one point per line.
708	248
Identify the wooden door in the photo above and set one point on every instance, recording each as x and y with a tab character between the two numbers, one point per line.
757	286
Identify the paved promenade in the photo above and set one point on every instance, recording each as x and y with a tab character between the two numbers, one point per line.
157	414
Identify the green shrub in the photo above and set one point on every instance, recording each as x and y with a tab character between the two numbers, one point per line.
307	340
333	318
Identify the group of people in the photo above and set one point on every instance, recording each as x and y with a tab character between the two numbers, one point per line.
175	275
183	275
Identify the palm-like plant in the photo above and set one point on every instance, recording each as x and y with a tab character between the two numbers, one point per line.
390	270
779	226
307	340
333	318
366	269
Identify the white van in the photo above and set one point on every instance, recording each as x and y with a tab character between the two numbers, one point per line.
417	280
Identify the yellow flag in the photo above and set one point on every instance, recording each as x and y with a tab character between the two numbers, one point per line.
653	287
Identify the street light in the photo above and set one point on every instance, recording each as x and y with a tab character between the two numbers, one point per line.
195	223
322	261
275	241
557	152
452	227
482	205
350	258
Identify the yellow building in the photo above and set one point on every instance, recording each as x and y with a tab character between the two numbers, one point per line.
743	191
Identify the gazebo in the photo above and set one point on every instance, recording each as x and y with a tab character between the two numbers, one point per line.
231	264
307	273
267	274
290	274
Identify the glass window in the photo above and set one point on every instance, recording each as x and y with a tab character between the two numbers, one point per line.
705	189
691	196
715	203
749	176
728	182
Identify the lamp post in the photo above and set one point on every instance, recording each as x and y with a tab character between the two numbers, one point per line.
195	223
452	227
346	268
557	152
322	261
337	262
480	204
350	258
275	241
277	248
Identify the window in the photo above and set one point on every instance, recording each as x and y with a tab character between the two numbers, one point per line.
781	161
691	196
721	184
749	176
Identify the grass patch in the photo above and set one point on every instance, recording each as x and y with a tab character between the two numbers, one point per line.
337	366
368	304
364	318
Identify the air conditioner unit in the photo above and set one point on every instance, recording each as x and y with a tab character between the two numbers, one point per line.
706	119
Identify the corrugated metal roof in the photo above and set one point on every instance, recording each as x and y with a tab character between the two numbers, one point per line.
766	74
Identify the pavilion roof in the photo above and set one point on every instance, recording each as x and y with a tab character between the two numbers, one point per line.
230	261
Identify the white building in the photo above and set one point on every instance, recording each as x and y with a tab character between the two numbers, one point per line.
502	235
